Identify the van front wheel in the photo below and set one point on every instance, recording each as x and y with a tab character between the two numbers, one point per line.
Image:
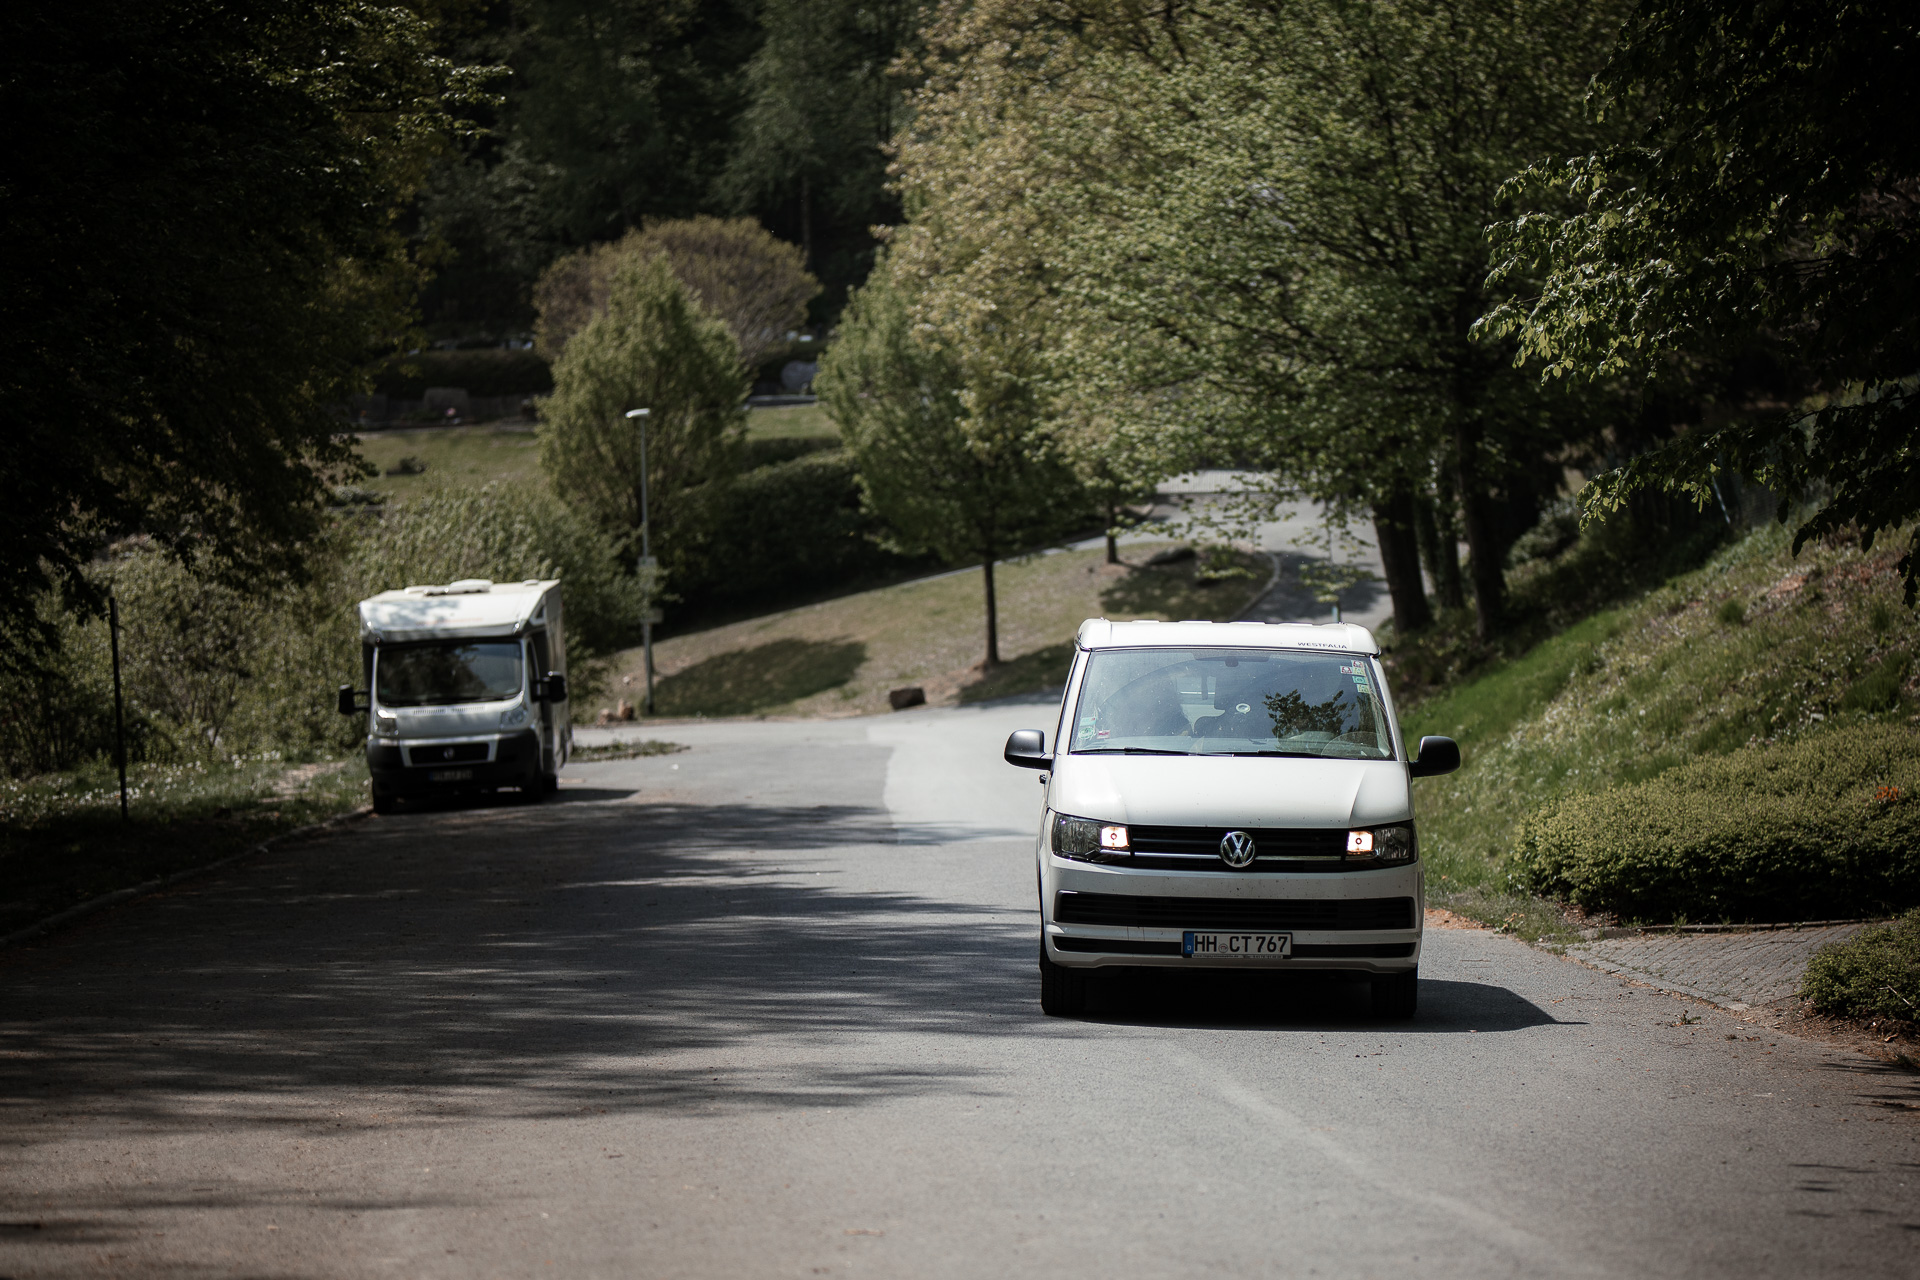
1063	991
1397	995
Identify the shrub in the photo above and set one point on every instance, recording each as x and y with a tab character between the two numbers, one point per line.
1874	974
780	530
1825	826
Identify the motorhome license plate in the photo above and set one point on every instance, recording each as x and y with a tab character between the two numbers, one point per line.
1236	946
450	775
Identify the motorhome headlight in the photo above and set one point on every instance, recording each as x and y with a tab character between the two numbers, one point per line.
513	715
1086	839
1382	844
385	726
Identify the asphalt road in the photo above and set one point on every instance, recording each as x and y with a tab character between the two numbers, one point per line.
768	1008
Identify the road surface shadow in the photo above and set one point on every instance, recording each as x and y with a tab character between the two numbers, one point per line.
1304	1002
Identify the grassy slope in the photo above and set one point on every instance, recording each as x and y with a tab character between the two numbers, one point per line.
468	457
841	657
1754	646
62	840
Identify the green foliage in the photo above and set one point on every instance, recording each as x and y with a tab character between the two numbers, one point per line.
756	285
624	109
1879	688
1759	213
952	452
824	96
480	373
1732	612
654	348
211	673
784	529
198	214
1637	689
1824	827
1874	974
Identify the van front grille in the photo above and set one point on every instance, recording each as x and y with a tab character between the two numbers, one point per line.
447	753
1312	915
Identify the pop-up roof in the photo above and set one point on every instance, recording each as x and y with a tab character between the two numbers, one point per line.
1345	637
472	607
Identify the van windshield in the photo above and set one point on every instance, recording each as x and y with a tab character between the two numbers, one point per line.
425	675
1230	702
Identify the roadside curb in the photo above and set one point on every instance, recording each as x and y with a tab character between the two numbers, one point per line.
1659	984
118	896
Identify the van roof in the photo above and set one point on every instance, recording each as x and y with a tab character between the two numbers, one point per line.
1342	637
472	607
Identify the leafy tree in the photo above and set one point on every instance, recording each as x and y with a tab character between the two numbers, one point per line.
958	466
626	106
1270	228
198	213
755	284
653	348
1765	208
826	95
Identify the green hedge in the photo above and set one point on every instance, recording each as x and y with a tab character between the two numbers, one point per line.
489	372
1874	974
782	531
1824	827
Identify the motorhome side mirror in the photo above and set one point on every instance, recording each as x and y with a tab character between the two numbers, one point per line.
347	704
1437	756
556	687
1027	748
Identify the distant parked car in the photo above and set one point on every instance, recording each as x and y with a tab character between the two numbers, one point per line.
1229	796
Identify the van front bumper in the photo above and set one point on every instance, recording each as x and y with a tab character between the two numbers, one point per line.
440	767
1095	916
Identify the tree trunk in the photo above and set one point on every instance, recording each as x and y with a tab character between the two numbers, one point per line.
1483	550
1446	544
1113	543
993	617
1393	528
806	223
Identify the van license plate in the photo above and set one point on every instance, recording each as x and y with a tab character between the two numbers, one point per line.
1237	946
450	775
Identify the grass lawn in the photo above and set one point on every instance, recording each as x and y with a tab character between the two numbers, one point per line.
455	458
841	657
790	421
62	840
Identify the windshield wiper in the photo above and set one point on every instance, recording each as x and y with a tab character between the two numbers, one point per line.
1293	755
1129	751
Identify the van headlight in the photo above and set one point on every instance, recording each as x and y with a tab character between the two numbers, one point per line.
385	726
512	716
1087	840
1383	844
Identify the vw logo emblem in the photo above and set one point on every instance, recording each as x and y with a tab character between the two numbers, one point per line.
448	755
1236	849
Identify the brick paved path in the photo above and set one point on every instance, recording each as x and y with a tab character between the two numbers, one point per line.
1736	970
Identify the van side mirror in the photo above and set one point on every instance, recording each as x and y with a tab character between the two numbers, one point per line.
1437	756
553	688
1027	748
347	704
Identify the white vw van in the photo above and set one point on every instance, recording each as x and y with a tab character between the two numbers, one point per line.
466	689
1229	795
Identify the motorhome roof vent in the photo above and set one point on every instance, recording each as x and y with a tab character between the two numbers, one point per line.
464	587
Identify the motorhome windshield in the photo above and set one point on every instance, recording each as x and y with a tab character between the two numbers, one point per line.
425	675
1260	702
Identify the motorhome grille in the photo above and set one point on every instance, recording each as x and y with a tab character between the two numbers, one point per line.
452	753
1304	951
1268	842
1313	915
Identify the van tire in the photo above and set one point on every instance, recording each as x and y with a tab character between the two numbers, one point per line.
1397	996
1063	991
382	802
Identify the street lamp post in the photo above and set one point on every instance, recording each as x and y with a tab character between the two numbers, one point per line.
646	554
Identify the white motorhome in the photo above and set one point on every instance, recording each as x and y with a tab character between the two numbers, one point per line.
466	689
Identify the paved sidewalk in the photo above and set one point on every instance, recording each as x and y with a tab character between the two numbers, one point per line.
1733	970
